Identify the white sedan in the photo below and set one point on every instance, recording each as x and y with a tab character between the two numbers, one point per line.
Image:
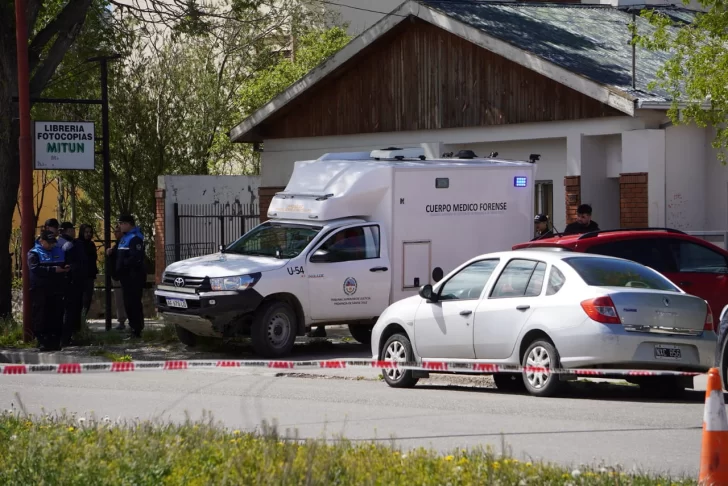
549	309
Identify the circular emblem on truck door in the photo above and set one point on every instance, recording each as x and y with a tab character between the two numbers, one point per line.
350	286
179	282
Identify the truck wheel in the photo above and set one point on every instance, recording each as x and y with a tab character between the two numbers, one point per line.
274	330
541	354
362	333
398	348
186	337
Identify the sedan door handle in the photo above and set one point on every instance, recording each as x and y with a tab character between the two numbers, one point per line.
523	307
466	312
378	269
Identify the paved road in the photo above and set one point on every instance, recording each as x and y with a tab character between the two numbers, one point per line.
593	423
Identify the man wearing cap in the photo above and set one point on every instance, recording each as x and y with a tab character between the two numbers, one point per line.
48	270
541	222
130	271
75	255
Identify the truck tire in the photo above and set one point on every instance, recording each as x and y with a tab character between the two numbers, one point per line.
274	330
186	337
362	333
398	348
541	353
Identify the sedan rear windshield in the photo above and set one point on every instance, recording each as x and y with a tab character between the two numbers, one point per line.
607	272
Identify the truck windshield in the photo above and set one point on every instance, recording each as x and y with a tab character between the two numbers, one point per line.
277	240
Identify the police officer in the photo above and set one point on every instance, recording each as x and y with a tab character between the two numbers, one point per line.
541	221
129	255
75	256
48	270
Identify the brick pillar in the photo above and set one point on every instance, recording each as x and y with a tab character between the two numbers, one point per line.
160	258
265	196
572	186
633	210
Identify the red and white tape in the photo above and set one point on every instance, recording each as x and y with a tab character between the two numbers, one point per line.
431	366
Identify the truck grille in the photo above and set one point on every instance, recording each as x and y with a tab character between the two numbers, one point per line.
197	283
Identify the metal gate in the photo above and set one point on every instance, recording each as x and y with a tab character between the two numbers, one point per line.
200	229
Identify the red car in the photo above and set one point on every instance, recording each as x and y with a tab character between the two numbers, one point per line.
698	267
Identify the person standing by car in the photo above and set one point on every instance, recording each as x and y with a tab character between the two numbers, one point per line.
131	272
118	291
583	223
48	270
541	221
86	236
75	257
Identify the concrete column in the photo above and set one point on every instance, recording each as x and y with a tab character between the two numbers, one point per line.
160	259
643	152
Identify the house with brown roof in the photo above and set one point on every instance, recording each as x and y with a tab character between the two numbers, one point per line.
558	80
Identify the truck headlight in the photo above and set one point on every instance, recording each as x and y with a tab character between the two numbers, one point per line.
232	283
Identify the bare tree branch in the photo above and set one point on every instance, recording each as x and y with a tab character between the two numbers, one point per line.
73	13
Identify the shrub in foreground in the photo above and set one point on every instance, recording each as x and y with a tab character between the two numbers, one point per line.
77	451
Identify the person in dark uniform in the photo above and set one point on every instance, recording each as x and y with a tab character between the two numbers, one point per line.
75	257
130	271
86	235
48	271
583	223
541	221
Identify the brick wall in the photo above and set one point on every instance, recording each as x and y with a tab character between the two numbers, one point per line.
633	210
265	196
572	185
160	259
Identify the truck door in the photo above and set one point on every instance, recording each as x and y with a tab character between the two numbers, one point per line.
349	274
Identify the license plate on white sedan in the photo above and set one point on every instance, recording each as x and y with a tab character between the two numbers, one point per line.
669	352
178	303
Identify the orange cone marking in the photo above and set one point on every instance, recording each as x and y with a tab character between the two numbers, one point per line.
714	454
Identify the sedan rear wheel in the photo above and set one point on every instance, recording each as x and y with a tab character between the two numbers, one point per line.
398	349
541	382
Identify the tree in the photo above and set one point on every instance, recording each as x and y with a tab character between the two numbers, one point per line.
59	27
695	74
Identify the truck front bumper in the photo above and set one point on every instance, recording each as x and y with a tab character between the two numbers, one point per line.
207	313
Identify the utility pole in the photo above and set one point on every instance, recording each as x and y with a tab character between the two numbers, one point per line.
26	167
104	60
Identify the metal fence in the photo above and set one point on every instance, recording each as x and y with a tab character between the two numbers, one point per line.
200	229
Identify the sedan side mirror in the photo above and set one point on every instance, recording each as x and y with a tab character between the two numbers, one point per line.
221	248
427	293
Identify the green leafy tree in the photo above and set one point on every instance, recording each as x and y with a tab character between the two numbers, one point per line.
59	28
695	74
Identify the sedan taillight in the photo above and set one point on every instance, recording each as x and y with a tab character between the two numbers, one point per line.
602	310
709	324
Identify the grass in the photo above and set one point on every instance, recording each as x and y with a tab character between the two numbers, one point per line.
83	451
111	356
11	335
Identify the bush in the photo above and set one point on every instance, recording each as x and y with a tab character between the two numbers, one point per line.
11	335
78	451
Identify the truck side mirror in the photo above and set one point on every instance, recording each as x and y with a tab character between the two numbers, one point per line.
427	293
320	256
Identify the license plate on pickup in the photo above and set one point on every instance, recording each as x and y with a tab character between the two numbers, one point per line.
666	351
178	303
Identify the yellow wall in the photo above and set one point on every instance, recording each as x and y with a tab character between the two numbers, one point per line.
50	200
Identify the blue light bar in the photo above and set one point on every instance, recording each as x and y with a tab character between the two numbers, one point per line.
520	181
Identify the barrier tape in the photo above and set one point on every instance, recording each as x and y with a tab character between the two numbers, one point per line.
431	366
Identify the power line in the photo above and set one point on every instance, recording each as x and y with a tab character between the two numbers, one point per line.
361	8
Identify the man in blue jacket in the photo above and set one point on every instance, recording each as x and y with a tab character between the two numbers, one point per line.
48	270
75	256
130	271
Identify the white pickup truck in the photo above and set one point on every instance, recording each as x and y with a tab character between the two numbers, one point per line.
351	234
